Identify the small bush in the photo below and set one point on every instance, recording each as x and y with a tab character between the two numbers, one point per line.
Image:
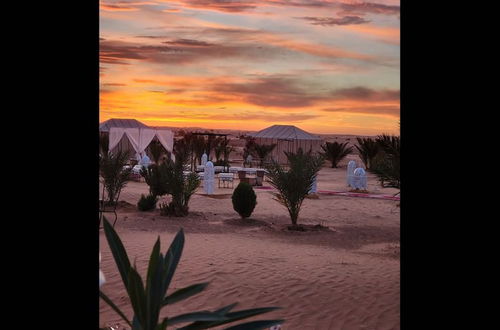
244	199
147	203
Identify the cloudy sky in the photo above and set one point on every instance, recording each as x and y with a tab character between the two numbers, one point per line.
324	66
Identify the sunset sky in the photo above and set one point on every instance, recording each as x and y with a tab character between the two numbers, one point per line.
324	66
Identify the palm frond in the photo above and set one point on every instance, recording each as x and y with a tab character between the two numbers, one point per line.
335	152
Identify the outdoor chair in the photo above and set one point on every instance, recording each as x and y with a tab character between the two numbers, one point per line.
106	206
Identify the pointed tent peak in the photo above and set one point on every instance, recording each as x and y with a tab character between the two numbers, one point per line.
285	132
119	122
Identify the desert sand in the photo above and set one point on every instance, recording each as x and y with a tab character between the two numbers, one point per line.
343	274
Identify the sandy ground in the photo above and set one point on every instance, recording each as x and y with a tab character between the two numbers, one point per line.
342	276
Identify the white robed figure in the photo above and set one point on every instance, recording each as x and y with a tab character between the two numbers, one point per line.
351	166
209	178
248	161
359	179
204	159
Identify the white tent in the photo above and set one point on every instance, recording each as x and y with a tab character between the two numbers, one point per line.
134	136
287	138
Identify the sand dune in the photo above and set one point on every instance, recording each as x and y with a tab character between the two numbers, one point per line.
345	275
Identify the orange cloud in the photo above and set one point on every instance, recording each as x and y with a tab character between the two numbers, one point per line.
385	34
110	7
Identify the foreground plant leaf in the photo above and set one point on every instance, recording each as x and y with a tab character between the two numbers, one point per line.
231	317
115	308
137	295
196	316
148	300
184	293
172	258
118	251
256	325
153	286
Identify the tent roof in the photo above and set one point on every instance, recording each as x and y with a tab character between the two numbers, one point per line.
124	123
285	132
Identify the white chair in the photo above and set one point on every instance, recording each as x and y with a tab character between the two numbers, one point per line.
226	177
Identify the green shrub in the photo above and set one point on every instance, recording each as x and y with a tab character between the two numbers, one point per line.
149	297
147	203
157	151
168	178
294	184
156	178
367	149
386	165
244	199
114	176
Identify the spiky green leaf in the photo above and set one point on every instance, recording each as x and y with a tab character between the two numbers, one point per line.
231	317
256	325
196	316
137	295
114	307
172	258
153	286
184	293
118	251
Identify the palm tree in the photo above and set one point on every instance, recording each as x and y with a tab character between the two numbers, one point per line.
390	144
386	165
196	145
227	151
249	147
114	176
219	146
103	143
335	152
212	143
157	150
198	142
367	149
294	185
263	150
169	178
222	151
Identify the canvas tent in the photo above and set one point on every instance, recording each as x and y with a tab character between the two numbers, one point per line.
287	138
134	136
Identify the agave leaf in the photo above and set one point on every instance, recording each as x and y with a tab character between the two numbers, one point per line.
153	286
256	325
239	315
162	325
224	310
118	251
136	325
137	295
231	317
114	307
172	258
196	316
184	293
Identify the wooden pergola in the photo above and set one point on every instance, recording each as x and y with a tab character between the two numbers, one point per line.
212	134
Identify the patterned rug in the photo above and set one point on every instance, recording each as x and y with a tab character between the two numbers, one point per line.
344	193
